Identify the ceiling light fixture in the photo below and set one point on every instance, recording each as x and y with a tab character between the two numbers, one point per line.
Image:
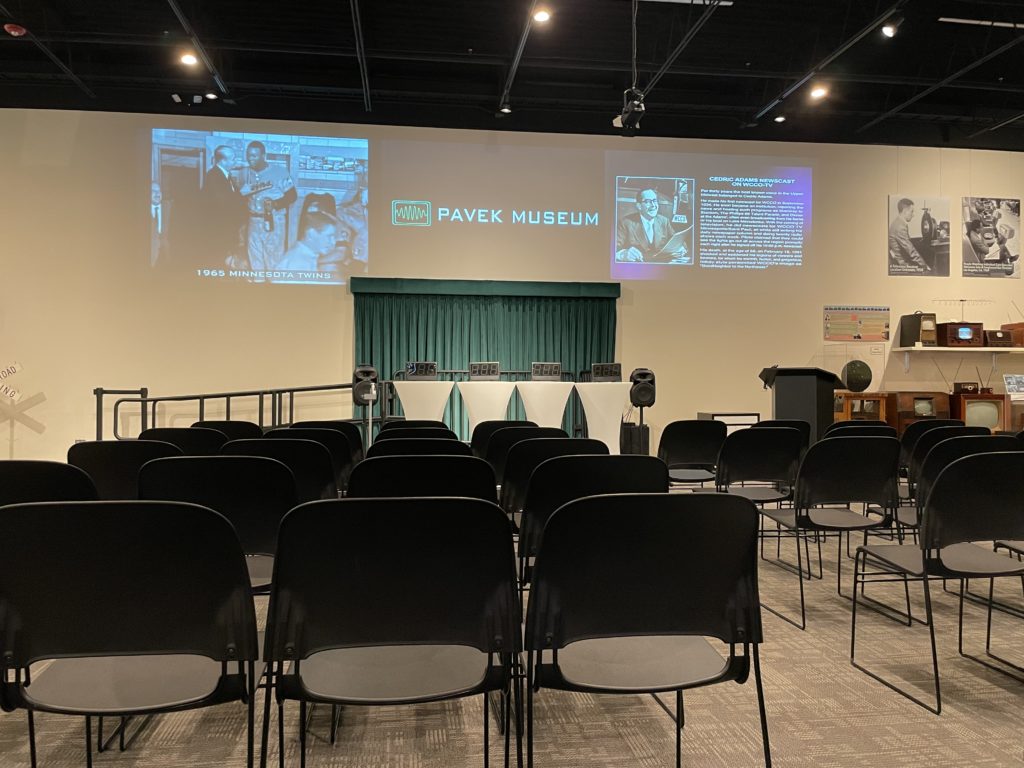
15	30
542	16
176	98
505	109
890	26
819	92
780	118
189	59
212	96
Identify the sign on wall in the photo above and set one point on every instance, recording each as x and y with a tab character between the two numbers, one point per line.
856	323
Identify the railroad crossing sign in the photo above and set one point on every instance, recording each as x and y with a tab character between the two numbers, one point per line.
13	408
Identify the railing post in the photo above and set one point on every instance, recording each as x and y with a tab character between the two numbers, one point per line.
145	394
99	412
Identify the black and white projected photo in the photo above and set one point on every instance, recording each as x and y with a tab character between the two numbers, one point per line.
259	207
918	235
654	220
991	237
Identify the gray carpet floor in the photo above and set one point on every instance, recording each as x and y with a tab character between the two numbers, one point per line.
822	712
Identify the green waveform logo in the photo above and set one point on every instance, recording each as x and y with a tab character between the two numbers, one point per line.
410	213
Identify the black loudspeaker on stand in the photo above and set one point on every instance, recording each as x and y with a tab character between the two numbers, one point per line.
364	392
637	439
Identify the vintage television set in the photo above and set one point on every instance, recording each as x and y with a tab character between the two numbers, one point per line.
960	334
859	406
982	409
917	406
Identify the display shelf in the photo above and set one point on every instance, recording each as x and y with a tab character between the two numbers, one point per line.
994	351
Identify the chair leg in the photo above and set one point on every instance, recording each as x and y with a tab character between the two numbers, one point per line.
302	734
251	724
88	741
517	693
280	735
529	709
334	723
32	738
931	635
761	709
679	729
487	732
265	734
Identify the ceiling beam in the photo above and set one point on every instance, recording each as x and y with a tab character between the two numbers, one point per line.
68	73
200	50
843	48
364	68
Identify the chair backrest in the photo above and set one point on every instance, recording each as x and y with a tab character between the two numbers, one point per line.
848	470
526	455
502	440
337	444
309	461
482	433
412	424
114	465
417	433
930	439
415	446
406	476
804	427
975	498
915	429
946	452
107	578
666	564
27	480
768	454
193	441
365	572
854	423
252	492
557	481
692	443
352	432
863	430
235	430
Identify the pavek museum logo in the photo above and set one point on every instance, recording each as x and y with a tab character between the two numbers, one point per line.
410	213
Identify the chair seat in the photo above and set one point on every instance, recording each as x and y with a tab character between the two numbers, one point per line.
261	570
759	494
690	476
1016	547
905	515
123	684
393	673
829	518
662	662
968	560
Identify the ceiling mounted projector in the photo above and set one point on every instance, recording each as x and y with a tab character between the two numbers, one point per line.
632	111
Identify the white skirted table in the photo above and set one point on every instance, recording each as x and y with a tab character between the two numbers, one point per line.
545	401
603	403
424	399
485	400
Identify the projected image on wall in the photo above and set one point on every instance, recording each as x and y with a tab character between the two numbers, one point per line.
258	207
653	220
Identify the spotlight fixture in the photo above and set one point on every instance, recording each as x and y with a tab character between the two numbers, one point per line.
197	99
780	118
189	59
15	30
632	111
212	96
890	26
542	16
176	98
505	109
819	92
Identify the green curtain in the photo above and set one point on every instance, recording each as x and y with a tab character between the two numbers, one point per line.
454	330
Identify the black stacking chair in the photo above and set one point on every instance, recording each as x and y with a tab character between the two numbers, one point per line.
558	481
483	431
403	476
252	492
309	461
235	430
690	449
193	441
417	433
803	427
914	430
630	612
415	446
337	444
27	480
854	424
502	440
175	629
113	465
769	456
353	619
526	455
347	428
929	440
857	429
412	424
835	473
975	498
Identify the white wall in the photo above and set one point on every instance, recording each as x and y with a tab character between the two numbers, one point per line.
79	307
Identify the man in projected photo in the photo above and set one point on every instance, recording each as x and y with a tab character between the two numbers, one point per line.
223	207
268	190
316	241
901	248
159	221
643	235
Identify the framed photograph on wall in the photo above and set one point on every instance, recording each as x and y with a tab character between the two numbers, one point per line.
918	237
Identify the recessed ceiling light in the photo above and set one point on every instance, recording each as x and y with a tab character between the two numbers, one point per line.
780	118
176	98
189	59
505	109
890	27
542	15
819	92
212	96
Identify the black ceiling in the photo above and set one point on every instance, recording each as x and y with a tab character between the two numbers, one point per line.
444	63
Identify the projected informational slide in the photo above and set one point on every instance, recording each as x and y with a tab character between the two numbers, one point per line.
258	207
715	212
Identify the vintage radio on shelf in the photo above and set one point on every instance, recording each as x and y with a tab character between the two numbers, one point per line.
982	410
998	339
1016	332
858	406
918	406
918	328
960	334
966	388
